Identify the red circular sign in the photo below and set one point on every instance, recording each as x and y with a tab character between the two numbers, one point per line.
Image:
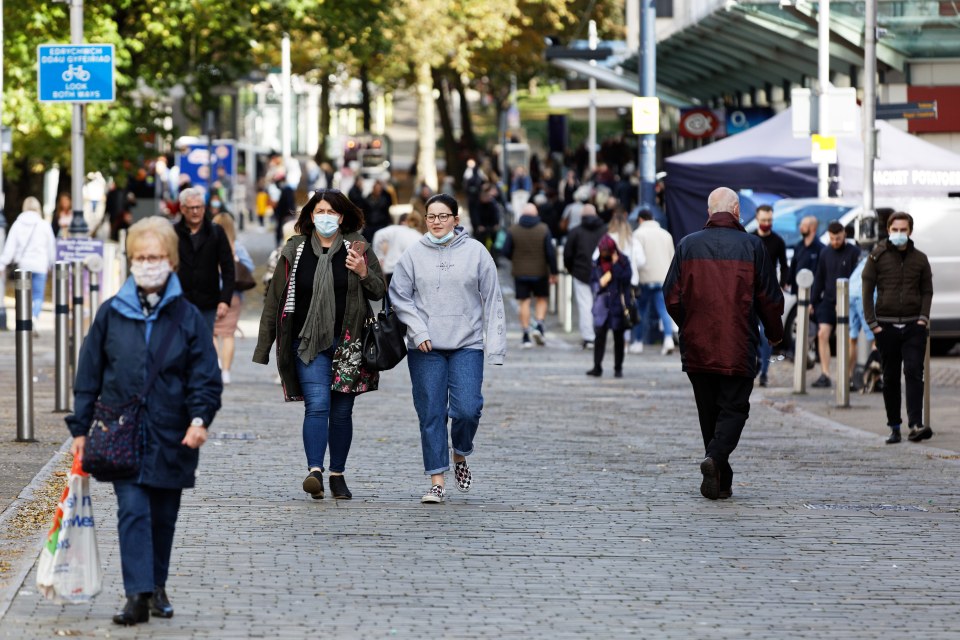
699	123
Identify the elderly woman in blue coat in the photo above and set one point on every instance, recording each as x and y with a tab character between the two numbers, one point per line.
180	405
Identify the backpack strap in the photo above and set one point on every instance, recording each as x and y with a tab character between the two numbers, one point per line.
164	347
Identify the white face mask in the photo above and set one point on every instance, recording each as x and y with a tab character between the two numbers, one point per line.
898	238
150	276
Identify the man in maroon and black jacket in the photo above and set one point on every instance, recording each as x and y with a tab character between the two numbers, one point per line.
719	289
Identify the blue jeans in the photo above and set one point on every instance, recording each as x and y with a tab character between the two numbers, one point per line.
446	383
766	350
38	284
650	298
328	414
146	520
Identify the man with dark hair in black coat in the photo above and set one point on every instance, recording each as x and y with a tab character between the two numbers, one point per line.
578	259
836	261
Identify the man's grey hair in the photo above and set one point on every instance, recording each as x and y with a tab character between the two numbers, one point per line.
191	193
722	199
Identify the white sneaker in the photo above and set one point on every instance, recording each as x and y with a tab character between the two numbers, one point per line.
636	347
667	346
225	376
434	496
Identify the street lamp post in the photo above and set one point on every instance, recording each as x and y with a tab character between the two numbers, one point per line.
78	226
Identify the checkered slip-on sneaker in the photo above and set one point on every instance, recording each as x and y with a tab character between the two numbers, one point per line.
434	496
464	478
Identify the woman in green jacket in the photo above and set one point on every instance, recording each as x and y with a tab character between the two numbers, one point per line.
314	312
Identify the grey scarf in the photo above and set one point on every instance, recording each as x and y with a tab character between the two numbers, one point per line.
317	333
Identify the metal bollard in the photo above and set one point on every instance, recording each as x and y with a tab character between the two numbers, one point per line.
927	383
23	284
61	310
77	311
94	266
843	342
804	281
124	265
566	296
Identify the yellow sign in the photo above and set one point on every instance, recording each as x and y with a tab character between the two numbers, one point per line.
823	149
646	115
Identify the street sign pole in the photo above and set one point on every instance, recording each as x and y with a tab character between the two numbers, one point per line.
823	74
78	226
869	110
592	136
648	88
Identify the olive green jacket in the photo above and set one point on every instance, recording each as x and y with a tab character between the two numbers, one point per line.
276	327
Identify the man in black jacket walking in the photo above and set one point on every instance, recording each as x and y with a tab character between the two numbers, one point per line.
904	282
578	259
776	250
206	259
836	261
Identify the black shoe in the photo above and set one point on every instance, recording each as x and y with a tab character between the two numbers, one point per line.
338	488
763	380
313	484
135	611
587	344
724	494
894	437
919	433
710	487
823	382
618	373
160	605
595	372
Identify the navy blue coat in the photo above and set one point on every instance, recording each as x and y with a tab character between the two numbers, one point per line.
114	362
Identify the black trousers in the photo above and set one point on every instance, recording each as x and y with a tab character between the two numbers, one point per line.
723	405
902	348
600	346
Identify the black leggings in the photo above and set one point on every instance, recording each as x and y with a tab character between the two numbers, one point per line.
600	345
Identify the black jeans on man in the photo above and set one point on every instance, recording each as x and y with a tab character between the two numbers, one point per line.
723	404
902	347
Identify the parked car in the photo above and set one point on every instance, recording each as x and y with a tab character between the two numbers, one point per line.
750	200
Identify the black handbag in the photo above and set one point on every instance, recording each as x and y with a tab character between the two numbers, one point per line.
384	340
631	317
243	279
114	445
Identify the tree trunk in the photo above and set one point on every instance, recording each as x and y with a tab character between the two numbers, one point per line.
426	131
468	141
365	97
321	154
450	146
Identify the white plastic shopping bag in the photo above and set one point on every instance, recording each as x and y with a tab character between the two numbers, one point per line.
68	570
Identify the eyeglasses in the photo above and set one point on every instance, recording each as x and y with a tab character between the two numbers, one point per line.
148	259
442	217
198	207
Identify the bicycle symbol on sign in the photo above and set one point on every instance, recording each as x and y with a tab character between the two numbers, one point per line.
75	72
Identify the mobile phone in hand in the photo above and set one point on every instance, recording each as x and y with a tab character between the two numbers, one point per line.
359	247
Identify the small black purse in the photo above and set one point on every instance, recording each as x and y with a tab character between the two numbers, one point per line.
114	445
384	340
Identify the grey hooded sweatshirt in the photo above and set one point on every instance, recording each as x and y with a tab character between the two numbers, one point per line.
450	295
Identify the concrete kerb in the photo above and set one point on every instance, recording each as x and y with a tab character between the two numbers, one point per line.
783	404
24	563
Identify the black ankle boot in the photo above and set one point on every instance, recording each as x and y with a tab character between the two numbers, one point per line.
338	488
160	605
136	610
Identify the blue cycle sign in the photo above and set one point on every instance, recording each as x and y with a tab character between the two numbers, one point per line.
75	72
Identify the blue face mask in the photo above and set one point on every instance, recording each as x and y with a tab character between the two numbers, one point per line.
326	224
435	240
899	238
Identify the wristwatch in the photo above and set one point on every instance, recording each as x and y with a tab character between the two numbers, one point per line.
196	422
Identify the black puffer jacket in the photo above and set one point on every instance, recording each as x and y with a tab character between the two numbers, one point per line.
904	284
580	245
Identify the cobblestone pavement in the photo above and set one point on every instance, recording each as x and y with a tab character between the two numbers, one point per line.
584	520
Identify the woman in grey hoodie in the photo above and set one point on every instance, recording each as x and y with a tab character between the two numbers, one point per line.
445	289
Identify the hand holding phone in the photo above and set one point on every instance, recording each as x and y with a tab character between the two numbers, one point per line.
359	247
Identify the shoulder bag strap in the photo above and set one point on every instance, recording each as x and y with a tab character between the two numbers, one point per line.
164	347
26	245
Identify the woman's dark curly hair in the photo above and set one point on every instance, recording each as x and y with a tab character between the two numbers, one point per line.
447	200
352	215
